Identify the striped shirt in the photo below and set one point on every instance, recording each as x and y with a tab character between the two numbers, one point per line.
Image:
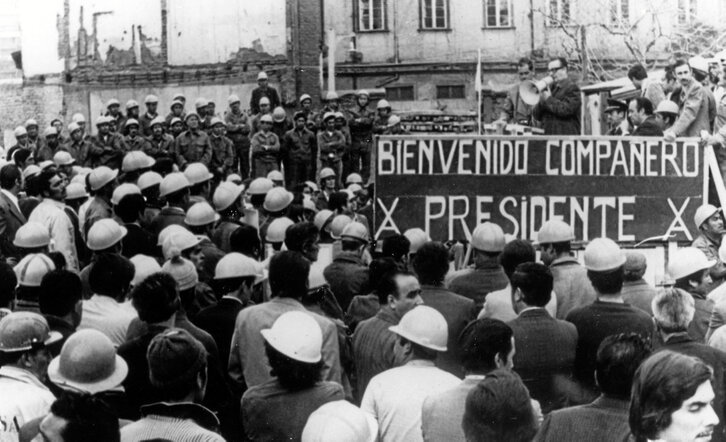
182	422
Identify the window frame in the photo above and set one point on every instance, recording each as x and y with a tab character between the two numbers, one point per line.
401	87
422	16
451	87
555	17
686	11
358	16
617	19
498	4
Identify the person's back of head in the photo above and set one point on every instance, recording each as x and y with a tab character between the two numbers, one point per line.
177	366
396	246
10	176
300	235
533	282
77	417
338	201
111	275
377	271
60	292
635	266
288	275
8	281
431	263
156	298
607	283
637	72
245	240
499	409
130	208
673	310
617	359
485	344
515	253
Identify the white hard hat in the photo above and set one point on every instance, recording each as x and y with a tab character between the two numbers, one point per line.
225	195
122	190
267	118
135	160
277	228
278	114
304	97
687	261
667	107
236	265
233	99
63	158
100	176
362	92
151	99
277	199
322	218
131	122
173	182
201	214
31	170
46	164
331	95
215	121
32	235
234	178
603	254
31	122
200	102
75	191
393	120
383	104
177	242
328	115
296	335
308	204
354	178
131	104
31	269
337	225
197	173
105	233
145	266
698	63
356	230
168	231
340	420
178	96
262	76
148	179
312	186
78	118
703	213
73	127
488	237
50	130
113	102
326	173
424	326
103	120
555	230
20	131
417	237
260	186
157	120
275	175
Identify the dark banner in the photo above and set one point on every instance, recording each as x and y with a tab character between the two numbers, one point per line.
628	189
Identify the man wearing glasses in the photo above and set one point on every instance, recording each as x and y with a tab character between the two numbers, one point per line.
559	105
514	109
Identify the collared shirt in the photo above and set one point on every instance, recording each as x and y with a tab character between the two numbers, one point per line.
51	213
106	315
396	396
299	144
180	422
498	305
247	360
22	398
193	146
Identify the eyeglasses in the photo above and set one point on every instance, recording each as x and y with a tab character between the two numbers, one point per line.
523	74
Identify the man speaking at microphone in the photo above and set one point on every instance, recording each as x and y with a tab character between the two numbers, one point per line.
559	105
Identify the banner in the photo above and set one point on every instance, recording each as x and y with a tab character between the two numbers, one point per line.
628	189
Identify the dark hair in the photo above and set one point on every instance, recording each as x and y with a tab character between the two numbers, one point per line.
660	386
44	180
300	235
8	281
500	409
697	277
396	246
60	291
562	60
111	274
223	286
338	201
670	72
644	104
607	283
293	375
534	279
21	155
481	341
637	72
699	75
680	62
377	270
9	175
58	258
32	185
350	244
88	418
387	285
130	207
288	275
177	197
526	61
617	359
431	263
245	240
156	298
515	253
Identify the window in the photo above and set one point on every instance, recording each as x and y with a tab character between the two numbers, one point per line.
498	13
434	14
371	15
686	11
619	13
560	12
399	93
450	92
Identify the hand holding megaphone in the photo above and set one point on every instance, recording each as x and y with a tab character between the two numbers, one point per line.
534	91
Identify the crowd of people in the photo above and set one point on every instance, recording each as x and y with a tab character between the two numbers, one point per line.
151	290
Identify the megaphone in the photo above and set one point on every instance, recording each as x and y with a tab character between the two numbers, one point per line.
529	90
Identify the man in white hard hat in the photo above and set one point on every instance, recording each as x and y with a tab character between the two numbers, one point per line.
175	189
331	146
487	242
263	89
238	130
107	149
193	144
396	396
134	139
265	109
383	114
77	145
152	103
223	155
691	269
11	219
694	109
606	316
227	202
571	284
299	144
265	149
361	133
306	107
113	110
710	224
176	109
348	274
49	146
102	181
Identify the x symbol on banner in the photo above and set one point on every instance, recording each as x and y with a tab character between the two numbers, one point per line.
388	214
678	224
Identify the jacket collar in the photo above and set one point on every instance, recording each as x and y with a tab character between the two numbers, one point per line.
349	257
678	338
183	410
610	402
534	312
387	314
20	375
564	261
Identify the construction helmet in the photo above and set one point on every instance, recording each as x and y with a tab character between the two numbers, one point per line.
417	237
151	99
275	175
225	195
157	120
340	420
131	122
322	219
197	173
148	179
264	100
234	178
278	114
78	118
354	178
131	104
100	176
144	266
113	102
267	118
232	99
32	235
31	122
383	104
363	92
73	127
603	254
304	97
296	335
102	120
75	191
488	237
177	242
235	265
168	231
331	95
20	131
424	326
277	228
703	213
173	182
22	331
277	199
355	230
50	130
555	230
105	233
337	225
260	186
135	160
201	102
122	190
326	173
32	268
201	214
215	121
687	261
63	158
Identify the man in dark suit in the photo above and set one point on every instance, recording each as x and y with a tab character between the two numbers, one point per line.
673	311
10	216
559	105
545	346
606	418
640	111
431	263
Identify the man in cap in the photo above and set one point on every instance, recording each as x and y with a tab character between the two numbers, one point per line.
160	144
694	109
60	302
151	102
650	89
710	224
202	107
306	107
691	269
515	110
113	110
331	103
133	139
265	149
227	202
102	182
238	130
176	109
616	114
132	111
348	274
636	290
21	141
50	212
396	396
361	133
559	105
223	153
77	146
49	147
383	114
193	144
263	89
608	315
34	139
24	337
265	109
175	189
298	145
11	219
487	275
640	111
107	148
331	146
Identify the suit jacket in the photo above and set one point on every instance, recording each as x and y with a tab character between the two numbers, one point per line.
10	221
441	413
694	111
560	113
648	128
603	420
545	355
218	320
458	311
